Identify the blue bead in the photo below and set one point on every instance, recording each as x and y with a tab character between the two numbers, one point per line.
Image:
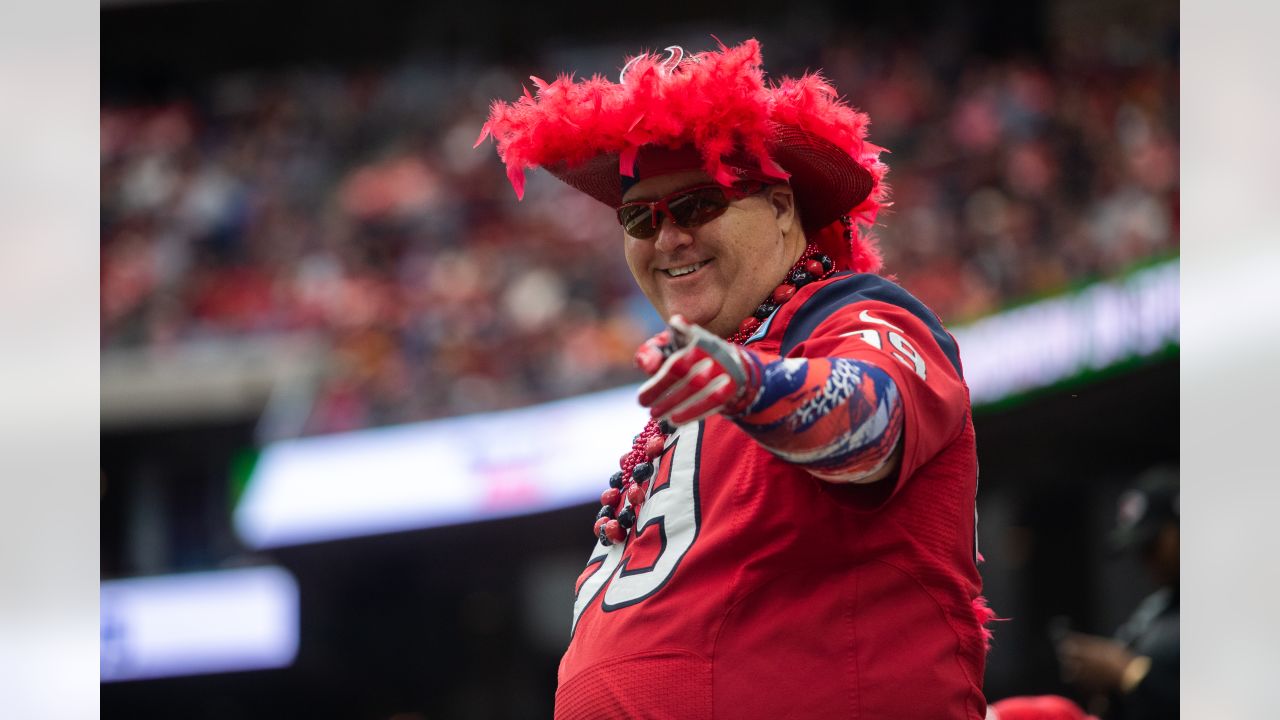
765	309
627	518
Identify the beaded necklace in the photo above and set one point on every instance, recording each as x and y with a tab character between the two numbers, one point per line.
616	518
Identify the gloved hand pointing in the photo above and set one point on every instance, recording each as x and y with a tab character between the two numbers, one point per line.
701	374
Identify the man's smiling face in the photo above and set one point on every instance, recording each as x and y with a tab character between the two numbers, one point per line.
717	273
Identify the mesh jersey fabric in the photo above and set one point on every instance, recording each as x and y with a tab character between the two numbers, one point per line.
754	590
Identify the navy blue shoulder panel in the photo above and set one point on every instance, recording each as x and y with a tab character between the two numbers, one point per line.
851	288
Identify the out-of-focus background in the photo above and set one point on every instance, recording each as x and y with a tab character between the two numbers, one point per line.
357	401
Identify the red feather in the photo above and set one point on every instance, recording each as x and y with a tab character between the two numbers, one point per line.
717	101
985	616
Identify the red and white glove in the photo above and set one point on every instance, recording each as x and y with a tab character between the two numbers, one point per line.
695	374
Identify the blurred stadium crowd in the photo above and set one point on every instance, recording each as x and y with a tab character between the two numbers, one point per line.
351	205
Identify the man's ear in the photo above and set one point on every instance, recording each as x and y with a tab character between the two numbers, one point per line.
783	201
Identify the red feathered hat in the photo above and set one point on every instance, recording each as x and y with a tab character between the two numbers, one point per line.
714	107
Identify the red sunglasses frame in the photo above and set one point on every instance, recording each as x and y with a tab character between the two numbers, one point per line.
662	204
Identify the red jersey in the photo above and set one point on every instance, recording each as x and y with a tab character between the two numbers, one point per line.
752	589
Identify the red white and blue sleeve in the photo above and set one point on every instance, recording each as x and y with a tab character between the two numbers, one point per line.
864	375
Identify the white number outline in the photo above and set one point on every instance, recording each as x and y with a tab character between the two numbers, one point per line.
684	455
904	346
899	342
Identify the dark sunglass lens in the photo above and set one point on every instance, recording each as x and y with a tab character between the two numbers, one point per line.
698	206
637	220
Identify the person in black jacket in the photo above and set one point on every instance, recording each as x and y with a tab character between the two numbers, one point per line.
1134	675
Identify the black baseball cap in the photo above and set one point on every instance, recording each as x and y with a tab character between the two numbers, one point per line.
1146	507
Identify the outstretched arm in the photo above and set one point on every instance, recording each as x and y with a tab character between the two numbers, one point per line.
839	418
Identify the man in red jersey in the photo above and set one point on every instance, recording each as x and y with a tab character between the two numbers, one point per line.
792	535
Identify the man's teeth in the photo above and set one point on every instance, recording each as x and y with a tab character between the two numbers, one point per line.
677	272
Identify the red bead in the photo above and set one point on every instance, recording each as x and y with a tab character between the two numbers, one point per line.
610	497
653	448
625	460
814	268
635	494
599	524
614	531
749	325
783	293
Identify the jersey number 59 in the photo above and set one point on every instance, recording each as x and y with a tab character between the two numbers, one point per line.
665	529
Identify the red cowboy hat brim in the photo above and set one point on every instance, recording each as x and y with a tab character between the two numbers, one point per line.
827	182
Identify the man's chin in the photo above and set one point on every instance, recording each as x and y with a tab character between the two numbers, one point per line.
704	314
712	323
692	315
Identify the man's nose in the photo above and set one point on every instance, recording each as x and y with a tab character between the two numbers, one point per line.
670	235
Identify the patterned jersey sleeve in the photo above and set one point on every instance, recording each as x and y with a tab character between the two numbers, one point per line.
864	371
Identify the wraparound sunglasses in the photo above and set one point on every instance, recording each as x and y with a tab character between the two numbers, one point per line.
687	208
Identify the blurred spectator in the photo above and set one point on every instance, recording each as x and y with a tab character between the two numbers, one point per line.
1036	707
1134	676
351	205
